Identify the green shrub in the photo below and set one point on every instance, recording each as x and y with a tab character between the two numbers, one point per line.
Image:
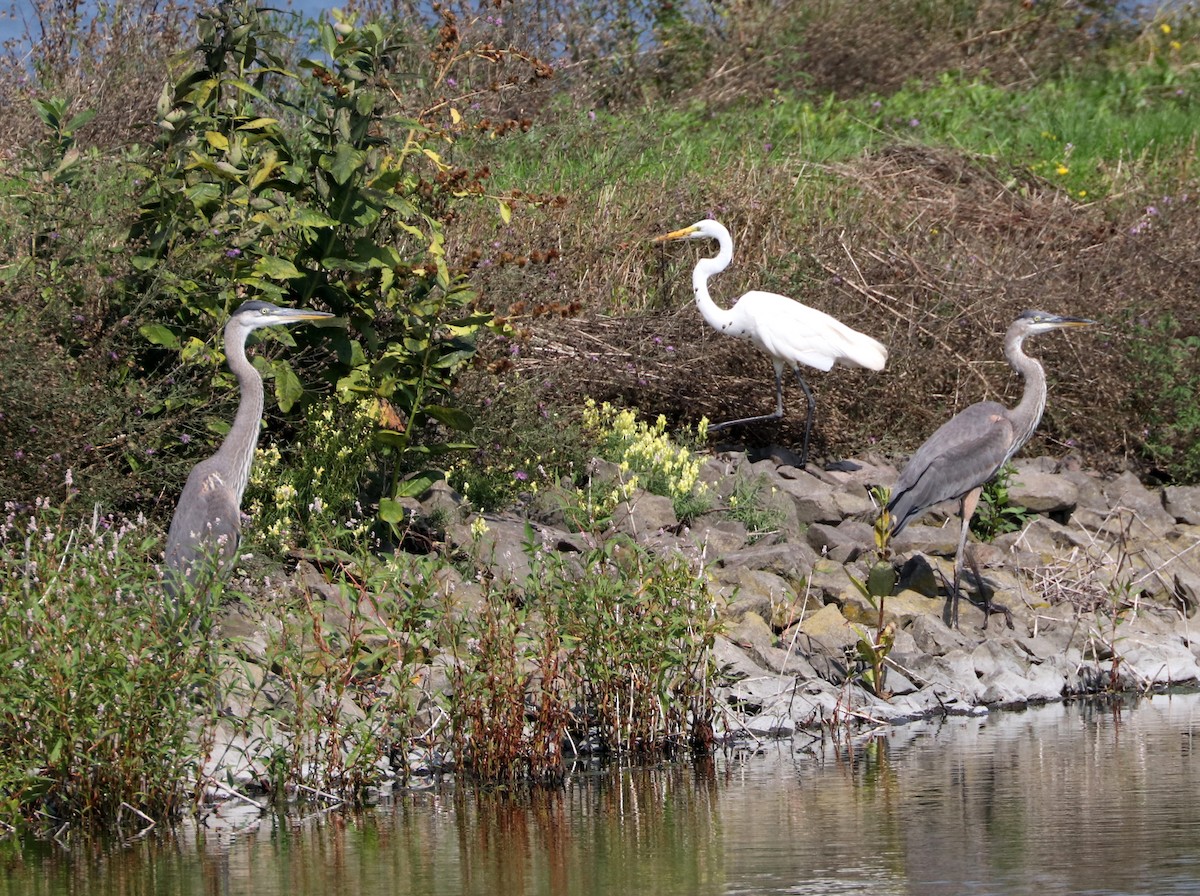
103	707
648	458
994	515
313	188
611	651
341	679
1168	370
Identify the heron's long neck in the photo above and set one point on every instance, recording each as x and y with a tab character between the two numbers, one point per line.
238	447
1026	415
717	317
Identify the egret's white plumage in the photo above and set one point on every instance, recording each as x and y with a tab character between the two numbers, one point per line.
791	334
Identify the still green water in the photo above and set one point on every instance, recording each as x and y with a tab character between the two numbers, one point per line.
1080	799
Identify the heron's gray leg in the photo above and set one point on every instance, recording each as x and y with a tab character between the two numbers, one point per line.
713	427
969	501
808	421
989	606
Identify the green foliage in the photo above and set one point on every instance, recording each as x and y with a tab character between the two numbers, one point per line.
873	651
315	482
1168	373
994	515
538	444
754	507
610	652
648	458
345	681
281	186
104	684
637	631
1088	131
508	711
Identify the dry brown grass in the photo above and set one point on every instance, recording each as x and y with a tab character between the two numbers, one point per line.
837	46
935	254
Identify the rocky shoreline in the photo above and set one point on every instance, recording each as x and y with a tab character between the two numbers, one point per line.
1101	581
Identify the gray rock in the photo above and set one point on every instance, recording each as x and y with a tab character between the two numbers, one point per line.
441	504
832	542
1123	547
762	592
1183	503
1127	491
644	514
719	537
939	540
1043	492
788	560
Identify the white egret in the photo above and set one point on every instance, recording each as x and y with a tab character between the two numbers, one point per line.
791	334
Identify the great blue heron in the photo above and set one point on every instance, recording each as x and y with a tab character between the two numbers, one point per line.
203	537
790	333
970	448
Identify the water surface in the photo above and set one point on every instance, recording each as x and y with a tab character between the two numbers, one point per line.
1080	799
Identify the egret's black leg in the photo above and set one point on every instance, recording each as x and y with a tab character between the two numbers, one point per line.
713	427
808	421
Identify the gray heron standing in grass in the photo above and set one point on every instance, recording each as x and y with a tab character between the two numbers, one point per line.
789	333
203	538
972	446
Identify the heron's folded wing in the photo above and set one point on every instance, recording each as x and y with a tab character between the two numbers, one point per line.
963	453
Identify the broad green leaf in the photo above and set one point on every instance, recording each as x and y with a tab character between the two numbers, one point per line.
194	349
392	511
881	580
392	439
307	217
158	334
250	89
418	483
265	170
203	193
258	124
347	161
69	160
288	388
276	268
79	120
452	417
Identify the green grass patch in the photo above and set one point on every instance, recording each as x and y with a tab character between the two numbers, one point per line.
1078	130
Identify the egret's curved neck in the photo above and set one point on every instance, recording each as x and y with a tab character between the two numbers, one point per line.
238	447
717	317
1026	415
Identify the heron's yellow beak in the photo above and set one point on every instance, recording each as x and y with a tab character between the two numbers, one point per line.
1074	322
295	315
676	234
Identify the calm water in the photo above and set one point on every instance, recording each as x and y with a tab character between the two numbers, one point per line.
1058	800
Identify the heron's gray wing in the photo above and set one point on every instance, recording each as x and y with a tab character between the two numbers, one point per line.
204	532
965	452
